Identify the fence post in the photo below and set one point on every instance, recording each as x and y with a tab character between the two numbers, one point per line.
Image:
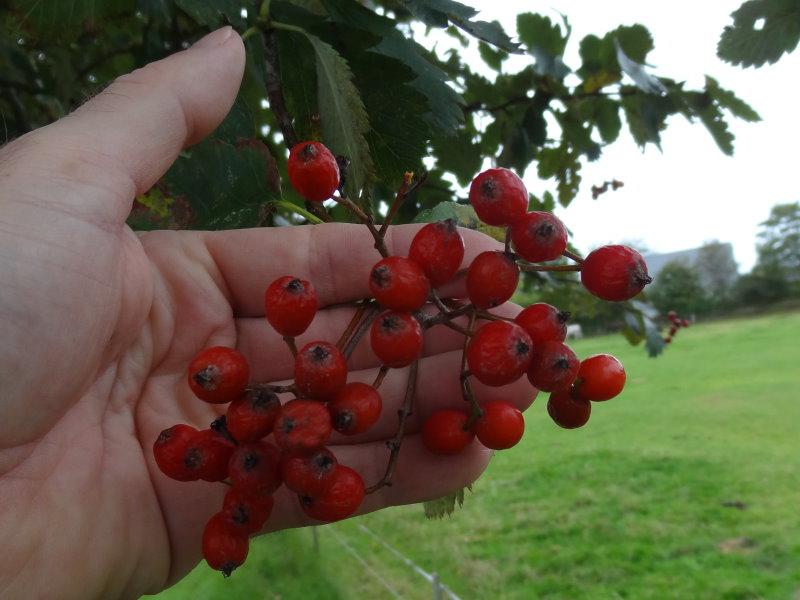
437	588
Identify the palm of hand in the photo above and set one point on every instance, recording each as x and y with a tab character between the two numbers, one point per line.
98	326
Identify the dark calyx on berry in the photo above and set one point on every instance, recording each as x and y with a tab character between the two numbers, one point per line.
308	153
563	316
319	354
381	275
488	187
295	286
207	378
323	462
250	461
523	348
391	322
343	420
192	459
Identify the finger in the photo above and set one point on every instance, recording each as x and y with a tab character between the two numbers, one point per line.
335	257
438	387
270	359
125	138
418	477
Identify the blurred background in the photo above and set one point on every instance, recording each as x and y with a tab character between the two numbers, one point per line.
685	486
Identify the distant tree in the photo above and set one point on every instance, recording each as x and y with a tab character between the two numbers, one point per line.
718	271
764	285
779	247
678	288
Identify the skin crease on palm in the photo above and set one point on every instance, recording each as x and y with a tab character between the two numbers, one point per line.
98	325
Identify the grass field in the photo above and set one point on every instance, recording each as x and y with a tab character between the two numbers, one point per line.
686	486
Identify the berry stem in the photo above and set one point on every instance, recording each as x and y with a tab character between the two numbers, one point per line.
381	376
380	244
396	442
345	337
572	256
370	313
292	346
523	266
487	316
278	389
476	412
446	316
406	188
507	243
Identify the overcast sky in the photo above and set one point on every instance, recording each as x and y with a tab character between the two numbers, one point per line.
690	193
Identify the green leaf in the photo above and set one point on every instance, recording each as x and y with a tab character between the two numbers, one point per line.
493	58
226	186
646	115
743	44
545	42
463	214
458	154
727	99
345	122
444	507
600	66
214	14
66	19
562	163
714	121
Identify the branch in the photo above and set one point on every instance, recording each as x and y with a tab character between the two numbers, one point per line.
573	256
476	412
396	442
530	268
278	389
345	337
380	243
370	313
406	189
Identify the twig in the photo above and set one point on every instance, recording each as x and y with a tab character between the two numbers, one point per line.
396	442
278	389
457	328
405	190
443	317
507	244
380	243
366	321
381	375
343	339
292	346
476	412
573	256
487	316
536	268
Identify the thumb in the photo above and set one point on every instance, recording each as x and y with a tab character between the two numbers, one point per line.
125	138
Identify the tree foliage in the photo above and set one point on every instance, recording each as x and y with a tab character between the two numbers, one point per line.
762	32
678	288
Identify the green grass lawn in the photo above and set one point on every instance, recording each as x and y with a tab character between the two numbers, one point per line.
685	486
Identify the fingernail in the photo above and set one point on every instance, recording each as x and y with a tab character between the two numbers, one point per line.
215	38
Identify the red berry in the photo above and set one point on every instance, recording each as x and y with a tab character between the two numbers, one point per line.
170	450
302	426
246	511
614	273
206	455
684	323
218	374
444	432
501	425
439	249
600	377
252	416
355	408
320	370
539	236
310	475
255	468
341	500
399	283
667	340
290	305
672	315
566	411
673	330
492	279
396	338
499	353
543	323
224	547
498	196
554	366
313	171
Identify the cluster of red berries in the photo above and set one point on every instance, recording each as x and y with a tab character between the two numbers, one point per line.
676	323
498	352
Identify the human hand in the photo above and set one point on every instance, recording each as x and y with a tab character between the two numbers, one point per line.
98	325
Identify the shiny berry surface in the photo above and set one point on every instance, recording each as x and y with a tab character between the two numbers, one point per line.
498	196
443	432
543	323
600	377
499	353
396	338
553	367
320	370
341	500
247	511
614	273
568	412
302	426
290	304
492	279
255	468
399	283
501	425
252	416
218	374
439	249
310	475
355	408
313	171
539	236
224	547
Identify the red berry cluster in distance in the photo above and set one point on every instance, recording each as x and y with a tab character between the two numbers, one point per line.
274	436
675	323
